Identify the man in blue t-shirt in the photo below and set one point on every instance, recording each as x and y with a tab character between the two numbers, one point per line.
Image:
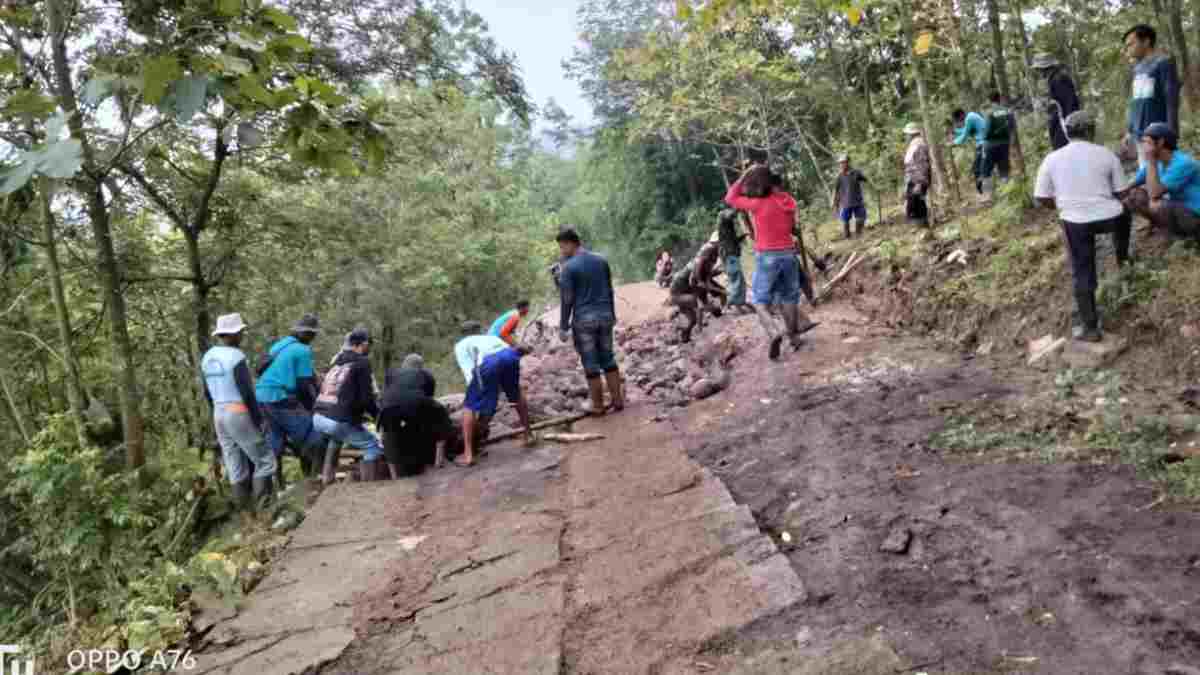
1155	93
971	125
1166	189
287	392
588	314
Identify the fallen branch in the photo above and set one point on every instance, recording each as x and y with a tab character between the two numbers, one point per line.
854	261
573	438
555	422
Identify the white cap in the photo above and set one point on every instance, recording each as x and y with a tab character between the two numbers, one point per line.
229	324
911	129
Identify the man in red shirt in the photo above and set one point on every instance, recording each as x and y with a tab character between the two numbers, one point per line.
777	270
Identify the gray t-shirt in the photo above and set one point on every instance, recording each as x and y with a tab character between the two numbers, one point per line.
849	189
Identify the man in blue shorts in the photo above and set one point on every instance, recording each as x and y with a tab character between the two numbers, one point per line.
588	313
489	365
848	199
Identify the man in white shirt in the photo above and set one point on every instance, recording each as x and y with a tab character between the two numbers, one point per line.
1083	180
488	365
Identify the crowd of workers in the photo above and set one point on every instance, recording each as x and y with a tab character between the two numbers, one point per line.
289	407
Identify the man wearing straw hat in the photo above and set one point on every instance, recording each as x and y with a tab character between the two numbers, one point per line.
1063	98
229	387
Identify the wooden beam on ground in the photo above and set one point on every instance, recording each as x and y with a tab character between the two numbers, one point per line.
554	422
854	261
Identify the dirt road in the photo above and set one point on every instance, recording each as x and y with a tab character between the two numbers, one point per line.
801	521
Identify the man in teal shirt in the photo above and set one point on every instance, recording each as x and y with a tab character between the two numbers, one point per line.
1166	189
972	125
287	392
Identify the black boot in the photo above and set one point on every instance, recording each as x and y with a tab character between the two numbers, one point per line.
329	470
241	495
858	227
263	491
806	288
846	229
1089	329
366	471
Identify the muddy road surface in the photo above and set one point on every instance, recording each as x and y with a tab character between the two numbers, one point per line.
743	516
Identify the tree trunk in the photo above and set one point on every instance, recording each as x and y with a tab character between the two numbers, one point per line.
17	416
935	147
1027	74
993	10
1179	38
62	315
202	320
110	272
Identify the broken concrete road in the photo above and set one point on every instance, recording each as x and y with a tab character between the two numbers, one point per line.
600	557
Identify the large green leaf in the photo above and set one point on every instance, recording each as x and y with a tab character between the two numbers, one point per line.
29	102
251	88
235	64
186	98
157	74
57	158
97	89
229	7
247	42
280	19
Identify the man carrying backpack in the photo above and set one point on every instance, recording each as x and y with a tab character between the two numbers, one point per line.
287	392
1001	125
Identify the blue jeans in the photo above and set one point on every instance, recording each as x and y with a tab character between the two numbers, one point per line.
859	213
242	446
594	344
776	278
737	281
354	435
288	420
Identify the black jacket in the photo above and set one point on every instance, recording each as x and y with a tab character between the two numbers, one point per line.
1062	91
399	379
347	394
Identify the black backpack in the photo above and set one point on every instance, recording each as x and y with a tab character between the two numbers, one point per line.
997	129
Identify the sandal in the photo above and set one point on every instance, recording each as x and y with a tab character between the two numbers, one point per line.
460	462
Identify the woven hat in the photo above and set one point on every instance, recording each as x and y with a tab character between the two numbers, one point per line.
1079	121
229	324
472	327
714	238
911	129
307	324
1043	61
843	158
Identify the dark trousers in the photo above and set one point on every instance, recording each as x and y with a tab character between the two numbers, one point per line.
1081	243
914	203
995	159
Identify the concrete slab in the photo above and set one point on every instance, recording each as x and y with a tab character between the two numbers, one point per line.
633	635
287	654
531	612
601	525
631	565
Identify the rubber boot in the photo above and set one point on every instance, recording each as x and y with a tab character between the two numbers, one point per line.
332	456
1089	320
263	491
845	229
806	288
859	226
773	334
616	390
241	495
367	471
595	406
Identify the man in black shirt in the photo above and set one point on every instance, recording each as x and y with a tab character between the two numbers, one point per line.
730	242
848	199
1063	99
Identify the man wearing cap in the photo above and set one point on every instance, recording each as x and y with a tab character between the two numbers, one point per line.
1166	189
917	176
347	397
1155	91
1082	180
730	242
488	365
847	200
287	391
1063	98
588	314
229	388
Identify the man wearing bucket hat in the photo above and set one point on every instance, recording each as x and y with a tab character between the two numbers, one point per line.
1166	189
1082	181
287	391
1063	98
917	176
229	387
847	200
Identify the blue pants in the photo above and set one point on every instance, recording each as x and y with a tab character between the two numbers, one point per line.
501	370
737	281
776	278
594	344
288	420
354	435
859	213
242	446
